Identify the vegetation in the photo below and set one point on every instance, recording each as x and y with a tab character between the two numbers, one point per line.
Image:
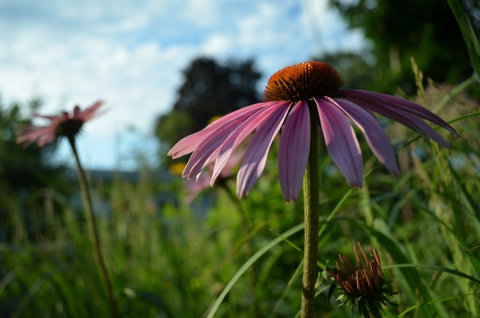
223	257
173	260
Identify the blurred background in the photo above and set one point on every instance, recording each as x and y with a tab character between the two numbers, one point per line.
165	69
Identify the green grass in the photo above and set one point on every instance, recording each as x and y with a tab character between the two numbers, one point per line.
170	260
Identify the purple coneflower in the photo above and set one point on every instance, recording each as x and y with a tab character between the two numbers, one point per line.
69	125
287	96
65	124
197	186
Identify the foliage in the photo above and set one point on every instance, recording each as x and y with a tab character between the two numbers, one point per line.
26	174
174	260
401	29
22	168
354	68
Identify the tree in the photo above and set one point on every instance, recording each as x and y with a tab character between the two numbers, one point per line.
23	168
209	89
355	69
399	29
26	174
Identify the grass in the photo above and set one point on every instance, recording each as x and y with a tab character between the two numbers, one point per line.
169	259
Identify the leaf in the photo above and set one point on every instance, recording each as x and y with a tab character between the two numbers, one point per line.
247	264
330	292
437	268
432	302
468	34
149	298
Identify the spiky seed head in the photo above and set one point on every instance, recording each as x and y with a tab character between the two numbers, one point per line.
303	81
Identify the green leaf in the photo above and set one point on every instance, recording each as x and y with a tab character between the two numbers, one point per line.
330	291
432	302
437	268
473	260
247	264
468	34
149	298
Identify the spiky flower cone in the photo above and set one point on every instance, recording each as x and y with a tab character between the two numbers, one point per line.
364	286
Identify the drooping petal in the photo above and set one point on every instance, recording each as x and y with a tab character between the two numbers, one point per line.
89	113
46	139
342	144
293	151
51	118
236	137
212	142
376	137
256	153
190	143
403	104
30	134
409	120
208	161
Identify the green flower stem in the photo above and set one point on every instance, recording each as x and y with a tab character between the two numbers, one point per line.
87	203
246	229
311	188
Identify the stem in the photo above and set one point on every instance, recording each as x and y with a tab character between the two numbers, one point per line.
246	229
311	188
87	203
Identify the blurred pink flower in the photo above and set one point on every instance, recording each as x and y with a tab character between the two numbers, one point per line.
286	108
65	124
196	186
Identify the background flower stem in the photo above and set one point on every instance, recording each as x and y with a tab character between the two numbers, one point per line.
311	187
87	203
246	229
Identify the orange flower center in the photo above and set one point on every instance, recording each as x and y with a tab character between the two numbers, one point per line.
303	81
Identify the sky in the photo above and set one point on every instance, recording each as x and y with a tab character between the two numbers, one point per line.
131	54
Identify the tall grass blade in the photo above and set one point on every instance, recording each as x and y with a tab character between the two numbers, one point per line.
468	34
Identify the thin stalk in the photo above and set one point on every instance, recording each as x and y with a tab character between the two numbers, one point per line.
246	229
311	188
87	203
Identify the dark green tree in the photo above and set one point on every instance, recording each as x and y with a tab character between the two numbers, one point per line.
26	173
22	167
355	69
209	89
399	29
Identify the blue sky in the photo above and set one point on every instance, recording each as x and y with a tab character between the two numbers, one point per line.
131	54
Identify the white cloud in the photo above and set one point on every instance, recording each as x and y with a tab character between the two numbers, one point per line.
131	53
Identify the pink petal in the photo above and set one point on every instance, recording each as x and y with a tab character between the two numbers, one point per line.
236	137
256	153
30	134
89	113
376	137
406	106
209	160
190	143
194	188
293	151
202	154
430	132
51	118
402	117
342	145
46	139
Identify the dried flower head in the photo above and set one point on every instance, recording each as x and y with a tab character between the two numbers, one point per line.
363	286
